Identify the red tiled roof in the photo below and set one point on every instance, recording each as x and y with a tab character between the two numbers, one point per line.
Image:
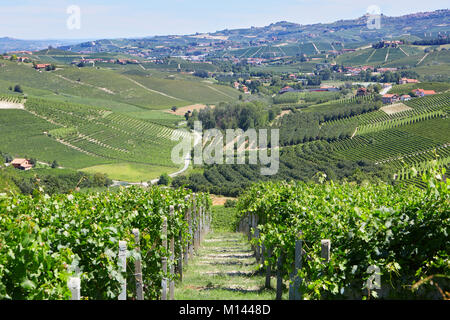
19	161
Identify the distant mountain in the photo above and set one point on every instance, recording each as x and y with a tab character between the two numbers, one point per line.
423	25
10	44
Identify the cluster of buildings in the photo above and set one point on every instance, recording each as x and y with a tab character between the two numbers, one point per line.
391	98
100	60
387	44
321	89
20	59
353	71
242	87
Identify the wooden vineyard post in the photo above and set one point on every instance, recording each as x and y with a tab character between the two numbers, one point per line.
180	254
74	285
280	276
195	222
326	248
268	269
294	287
123	268
172	261
164	260
249	231
200	226
258	248
190	250
208	229
138	269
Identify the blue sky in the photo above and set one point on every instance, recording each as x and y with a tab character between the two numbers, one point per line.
46	19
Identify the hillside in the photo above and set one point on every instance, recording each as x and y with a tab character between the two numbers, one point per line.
412	26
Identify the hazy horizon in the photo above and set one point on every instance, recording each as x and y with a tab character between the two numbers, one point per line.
100	19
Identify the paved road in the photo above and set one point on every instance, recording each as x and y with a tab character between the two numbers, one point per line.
385	90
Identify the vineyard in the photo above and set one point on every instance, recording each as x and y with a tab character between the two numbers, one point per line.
331	241
47	241
101	133
11	98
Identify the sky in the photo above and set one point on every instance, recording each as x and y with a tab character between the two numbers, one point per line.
47	19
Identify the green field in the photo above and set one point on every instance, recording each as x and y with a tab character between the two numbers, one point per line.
130	172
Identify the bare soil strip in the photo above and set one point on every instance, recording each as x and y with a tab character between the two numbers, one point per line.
11	105
395	108
182	110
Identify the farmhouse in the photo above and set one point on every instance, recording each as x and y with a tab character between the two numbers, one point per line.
22	164
423	93
286	89
41	66
405	97
390	98
361	92
406	80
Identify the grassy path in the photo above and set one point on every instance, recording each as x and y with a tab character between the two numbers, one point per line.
224	269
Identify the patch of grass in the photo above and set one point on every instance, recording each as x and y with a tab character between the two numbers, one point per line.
223	218
224	268
130	172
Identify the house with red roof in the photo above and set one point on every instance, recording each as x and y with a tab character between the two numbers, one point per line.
41	66
390	98
22	164
423	93
405	97
406	80
362	92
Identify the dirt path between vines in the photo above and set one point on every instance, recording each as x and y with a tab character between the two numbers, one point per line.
224	268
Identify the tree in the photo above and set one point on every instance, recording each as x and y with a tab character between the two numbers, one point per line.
101	180
54	164
18	88
164	179
33	162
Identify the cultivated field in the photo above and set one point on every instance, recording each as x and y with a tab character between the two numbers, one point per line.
395	108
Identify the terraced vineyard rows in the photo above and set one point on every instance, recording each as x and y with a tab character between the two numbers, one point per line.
11	98
417	160
393	123
426	105
108	135
384	145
